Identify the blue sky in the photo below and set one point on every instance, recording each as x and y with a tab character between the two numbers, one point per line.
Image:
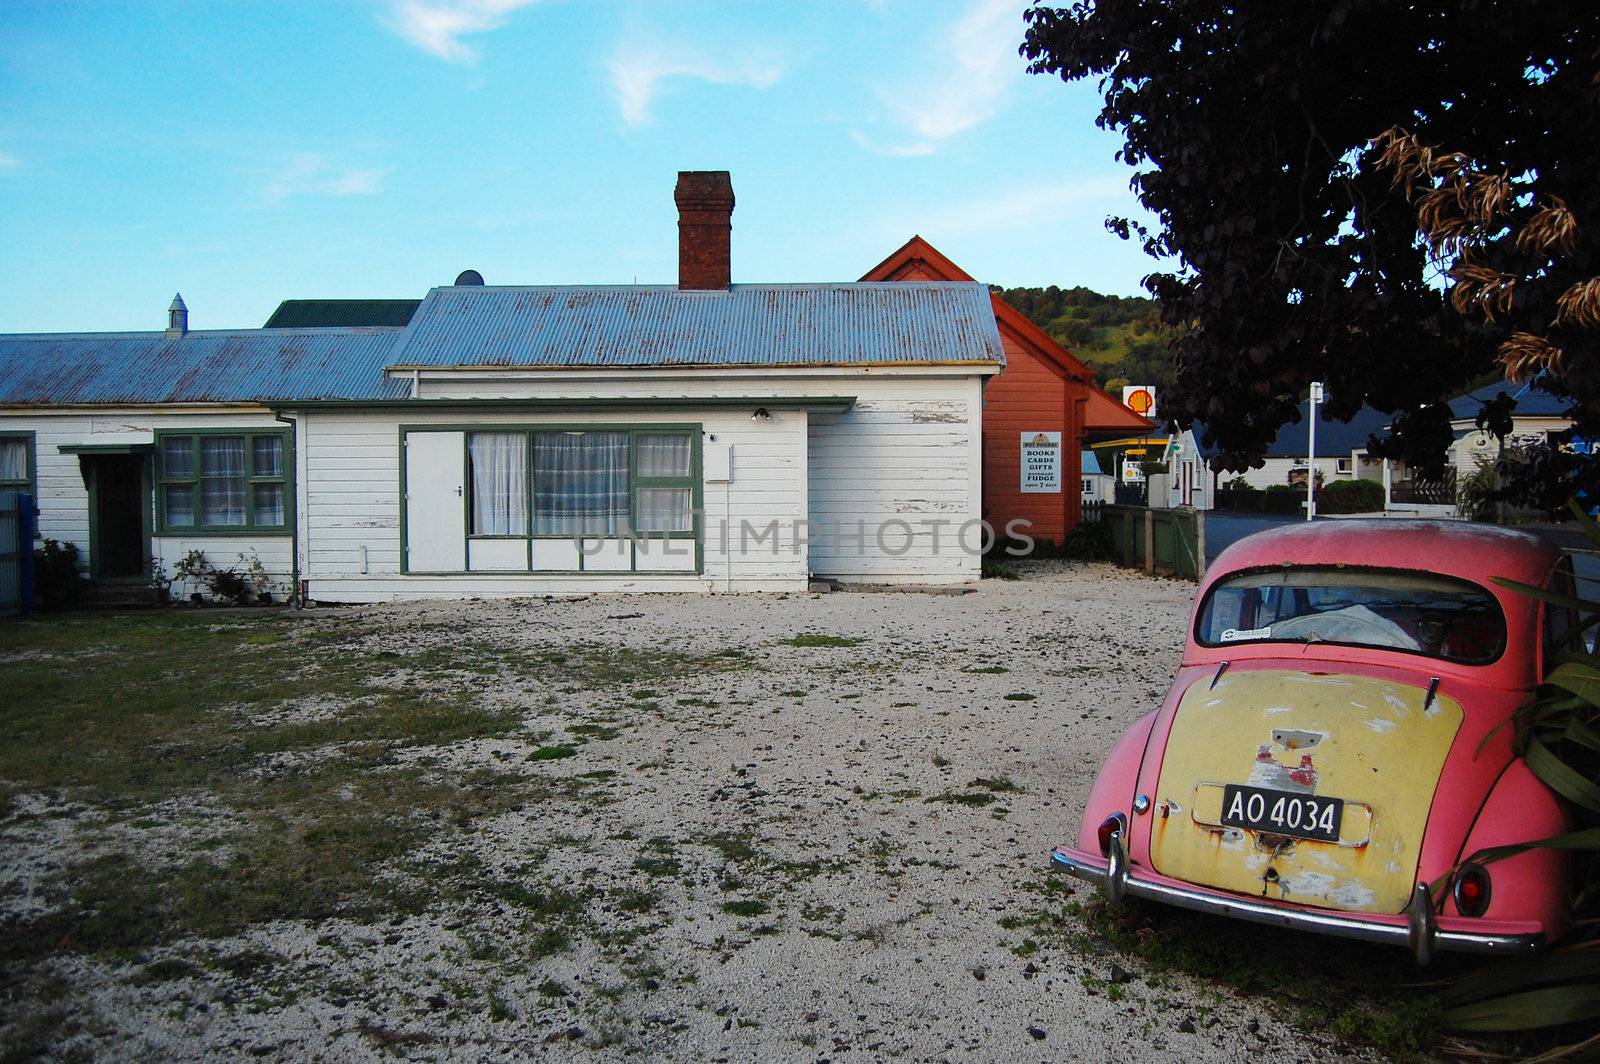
246	152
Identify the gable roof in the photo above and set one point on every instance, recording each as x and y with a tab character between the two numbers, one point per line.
212	366
341	313
663	326
1531	400
917	259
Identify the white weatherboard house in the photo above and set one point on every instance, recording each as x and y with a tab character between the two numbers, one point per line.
518	441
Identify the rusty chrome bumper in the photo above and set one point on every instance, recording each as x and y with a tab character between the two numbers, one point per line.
1422	936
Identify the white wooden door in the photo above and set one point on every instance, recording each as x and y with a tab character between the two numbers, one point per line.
436	514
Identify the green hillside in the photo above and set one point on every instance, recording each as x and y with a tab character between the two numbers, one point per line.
1121	337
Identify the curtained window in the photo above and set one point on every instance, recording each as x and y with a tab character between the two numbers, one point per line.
499	463
224	482
666	492
14	471
580	484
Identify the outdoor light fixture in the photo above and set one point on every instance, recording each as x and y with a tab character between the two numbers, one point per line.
761	414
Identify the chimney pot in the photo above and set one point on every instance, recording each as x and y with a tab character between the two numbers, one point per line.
177	317
705	225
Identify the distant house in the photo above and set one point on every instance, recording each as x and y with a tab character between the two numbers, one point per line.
1536	415
1037	414
1341	455
1097	485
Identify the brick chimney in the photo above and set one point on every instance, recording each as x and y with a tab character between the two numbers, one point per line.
705	222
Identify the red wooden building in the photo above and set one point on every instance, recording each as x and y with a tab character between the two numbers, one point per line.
1044	406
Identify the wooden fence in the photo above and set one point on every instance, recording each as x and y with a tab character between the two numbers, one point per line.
1170	541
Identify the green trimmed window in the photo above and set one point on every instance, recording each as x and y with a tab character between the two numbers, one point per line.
224	482
16	461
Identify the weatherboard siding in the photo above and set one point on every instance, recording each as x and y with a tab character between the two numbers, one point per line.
894	481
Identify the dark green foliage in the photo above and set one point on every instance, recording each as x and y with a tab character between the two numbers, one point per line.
229	584
1350	497
1287	252
1089	541
56	581
1278	499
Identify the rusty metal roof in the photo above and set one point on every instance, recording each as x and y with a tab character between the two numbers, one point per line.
246	365
932	323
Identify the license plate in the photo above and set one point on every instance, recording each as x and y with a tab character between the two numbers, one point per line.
1302	816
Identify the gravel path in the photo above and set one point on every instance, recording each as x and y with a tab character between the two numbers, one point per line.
832	854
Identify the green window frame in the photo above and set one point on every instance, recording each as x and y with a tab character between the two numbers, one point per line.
257	480
30	479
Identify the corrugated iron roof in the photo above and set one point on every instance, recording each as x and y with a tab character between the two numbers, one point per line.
64	369
747	325
341	313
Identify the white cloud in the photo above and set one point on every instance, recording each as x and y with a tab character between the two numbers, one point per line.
900	151
638	72
1025	206
963	83
438	27
310	173
9	161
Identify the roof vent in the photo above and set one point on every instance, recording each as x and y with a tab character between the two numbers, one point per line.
469	277
177	317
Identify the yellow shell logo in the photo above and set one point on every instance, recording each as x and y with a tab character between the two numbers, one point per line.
1140	401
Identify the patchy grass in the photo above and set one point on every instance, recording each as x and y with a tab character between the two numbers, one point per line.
817	639
997	571
1020	696
745	907
1360	994
996	784
969	798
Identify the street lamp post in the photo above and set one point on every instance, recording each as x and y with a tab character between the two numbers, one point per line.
1311	453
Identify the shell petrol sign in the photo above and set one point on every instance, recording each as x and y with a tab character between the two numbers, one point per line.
1140	398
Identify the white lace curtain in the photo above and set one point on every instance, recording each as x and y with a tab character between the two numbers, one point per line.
499	483
222	480
580	483
13	460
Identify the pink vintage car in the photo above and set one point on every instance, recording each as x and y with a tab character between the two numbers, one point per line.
1337	739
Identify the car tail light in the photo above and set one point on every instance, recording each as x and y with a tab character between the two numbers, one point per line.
1113	823
1472	890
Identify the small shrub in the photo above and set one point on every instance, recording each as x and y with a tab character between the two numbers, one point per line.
56	582
996	571
1089	541
1350	497
229	584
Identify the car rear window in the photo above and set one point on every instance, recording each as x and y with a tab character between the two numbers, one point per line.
1414	612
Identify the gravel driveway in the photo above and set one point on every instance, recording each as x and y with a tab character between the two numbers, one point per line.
833	848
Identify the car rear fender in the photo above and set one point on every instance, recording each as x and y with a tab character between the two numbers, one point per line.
1536	885
1114	787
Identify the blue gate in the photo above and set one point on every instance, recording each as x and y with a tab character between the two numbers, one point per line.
16	552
